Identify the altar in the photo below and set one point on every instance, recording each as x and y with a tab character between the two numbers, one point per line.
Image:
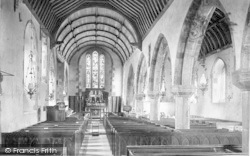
95	104
97	110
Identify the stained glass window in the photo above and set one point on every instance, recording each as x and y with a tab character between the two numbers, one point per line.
95	70
88	71
102	62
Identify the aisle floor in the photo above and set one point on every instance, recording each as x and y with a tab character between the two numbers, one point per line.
95	145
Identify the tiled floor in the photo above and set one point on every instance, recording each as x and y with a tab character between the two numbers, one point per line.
95	145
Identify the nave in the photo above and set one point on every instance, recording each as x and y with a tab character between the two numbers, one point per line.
116	135
162	76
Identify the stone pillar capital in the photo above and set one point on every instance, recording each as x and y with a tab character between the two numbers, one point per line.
183	90
241	79
139	97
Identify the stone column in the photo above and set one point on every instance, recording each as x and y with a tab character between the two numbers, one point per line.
241	79
139	104
151	102
182	109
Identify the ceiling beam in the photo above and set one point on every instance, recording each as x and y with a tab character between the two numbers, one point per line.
66	44
65	53
93	29
94	15
122	58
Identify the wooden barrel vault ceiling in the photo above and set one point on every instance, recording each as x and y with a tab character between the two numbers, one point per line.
115	24
217	35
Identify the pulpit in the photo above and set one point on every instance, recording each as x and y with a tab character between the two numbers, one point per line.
57	112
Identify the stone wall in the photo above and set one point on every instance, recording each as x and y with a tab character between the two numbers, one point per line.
173	21
12	27
113	72
231	109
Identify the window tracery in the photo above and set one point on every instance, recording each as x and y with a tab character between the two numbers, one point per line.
95	70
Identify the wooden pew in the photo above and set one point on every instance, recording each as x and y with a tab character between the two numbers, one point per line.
182	150
67	134
194	124
123	131
128	128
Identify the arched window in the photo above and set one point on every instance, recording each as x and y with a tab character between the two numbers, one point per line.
44	56
219	82
51	78
95	70
30	59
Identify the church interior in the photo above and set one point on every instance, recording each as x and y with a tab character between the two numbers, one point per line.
125	77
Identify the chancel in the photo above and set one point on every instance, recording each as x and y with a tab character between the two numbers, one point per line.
125	77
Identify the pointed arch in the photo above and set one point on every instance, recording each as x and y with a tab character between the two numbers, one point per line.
191	38
160	54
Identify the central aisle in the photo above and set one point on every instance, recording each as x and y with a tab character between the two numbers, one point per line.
95	145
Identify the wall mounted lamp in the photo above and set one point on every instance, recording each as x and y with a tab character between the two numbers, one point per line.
31	76
203	84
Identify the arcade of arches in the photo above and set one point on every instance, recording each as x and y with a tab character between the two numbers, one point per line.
147	56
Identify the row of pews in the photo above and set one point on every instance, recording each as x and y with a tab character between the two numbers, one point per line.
124	132
203	123
194	124
67	134
183	150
